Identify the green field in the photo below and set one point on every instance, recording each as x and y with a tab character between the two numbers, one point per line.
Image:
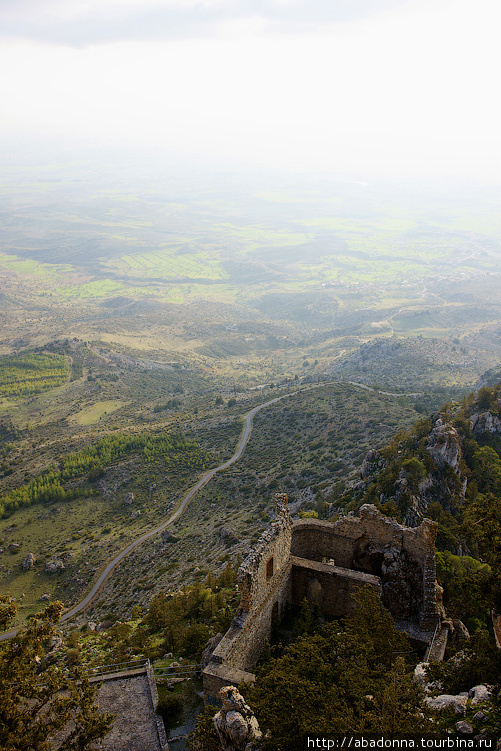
95	412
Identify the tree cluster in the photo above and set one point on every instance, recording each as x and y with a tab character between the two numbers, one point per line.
189	618
174	450
28	374
350	676
38	701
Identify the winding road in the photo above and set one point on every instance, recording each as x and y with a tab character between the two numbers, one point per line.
106	573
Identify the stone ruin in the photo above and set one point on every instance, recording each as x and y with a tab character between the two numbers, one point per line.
326	563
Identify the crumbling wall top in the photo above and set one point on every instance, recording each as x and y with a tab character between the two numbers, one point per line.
273	546
339	538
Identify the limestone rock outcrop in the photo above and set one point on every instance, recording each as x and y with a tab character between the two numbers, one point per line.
236	726
447	701
485	422
444	445
478	694
372	464
400	577
442	481
28	562
53	567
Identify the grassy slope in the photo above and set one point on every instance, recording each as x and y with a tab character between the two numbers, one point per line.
284	453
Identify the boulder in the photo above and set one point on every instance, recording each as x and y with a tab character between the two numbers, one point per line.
53	567
44	598
14	547
104	625
236	727
168	536
447	701
478	694
128	499
28	562
464	728
479	716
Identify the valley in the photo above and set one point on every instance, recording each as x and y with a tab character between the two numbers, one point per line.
171	303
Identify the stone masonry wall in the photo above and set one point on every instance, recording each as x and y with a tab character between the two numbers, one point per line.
404	557
326	563
254	579
329	587
264	581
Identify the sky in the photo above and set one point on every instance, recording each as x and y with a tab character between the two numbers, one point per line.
392	87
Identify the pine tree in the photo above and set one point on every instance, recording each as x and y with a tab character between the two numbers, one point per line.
38	701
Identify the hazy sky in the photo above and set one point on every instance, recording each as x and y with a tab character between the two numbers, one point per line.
395	86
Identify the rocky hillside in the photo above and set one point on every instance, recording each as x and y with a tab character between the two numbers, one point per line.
448	467
413	363
449	458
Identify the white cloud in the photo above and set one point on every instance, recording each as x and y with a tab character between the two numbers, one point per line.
85	22
404	92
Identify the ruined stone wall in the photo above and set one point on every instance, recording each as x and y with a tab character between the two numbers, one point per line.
404	557
340	540
243	642
263	566
326	563
264	581
329	587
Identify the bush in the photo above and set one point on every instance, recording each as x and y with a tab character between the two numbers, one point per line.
72	657
169	706
197	636
205	736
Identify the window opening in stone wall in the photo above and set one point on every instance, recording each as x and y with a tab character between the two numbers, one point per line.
269	568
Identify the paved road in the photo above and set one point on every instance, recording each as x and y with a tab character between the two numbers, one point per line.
172	518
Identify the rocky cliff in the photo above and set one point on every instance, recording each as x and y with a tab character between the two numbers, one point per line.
432	462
